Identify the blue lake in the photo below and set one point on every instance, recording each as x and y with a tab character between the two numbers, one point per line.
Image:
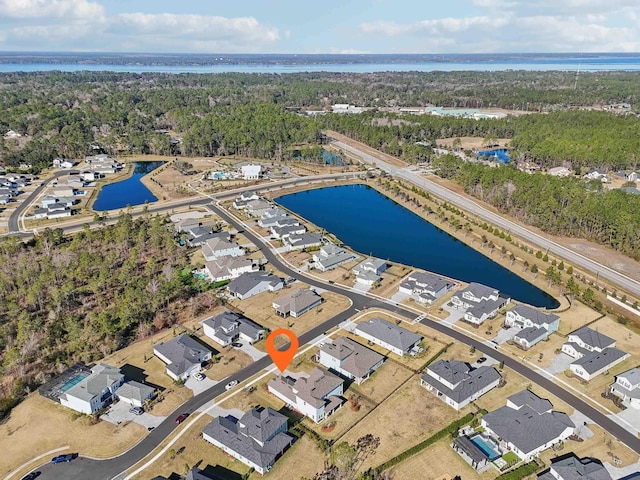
127	192
373	224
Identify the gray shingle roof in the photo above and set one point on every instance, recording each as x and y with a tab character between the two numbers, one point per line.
528	398
594	361
389	333
135	390
183	352
453	371
478	290
231	433
470	383
313	389
102	376
593	338
526	428
297	301
249	280
536	316
632	375
425	280
572	468
228	324
531	333
355	358
487	306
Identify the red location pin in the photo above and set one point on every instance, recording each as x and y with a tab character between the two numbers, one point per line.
282	358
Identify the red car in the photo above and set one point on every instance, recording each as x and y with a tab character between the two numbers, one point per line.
181	418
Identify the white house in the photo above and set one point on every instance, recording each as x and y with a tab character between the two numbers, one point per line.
479	302
183	356
252	283
284	231
316	396
331	256
258	439
574	468
389	336
527	426
593	364
303	241
251	172
559	172
534	325
349	358
135	393
457	384
64	163
368	271
586	340
228	268
425	288
94	391
297	302
227	327
218	247
245	197
627	387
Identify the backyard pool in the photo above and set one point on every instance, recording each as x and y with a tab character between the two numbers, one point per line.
485	447
72	382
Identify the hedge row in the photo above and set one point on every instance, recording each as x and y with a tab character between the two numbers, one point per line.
300	429
521	472
448	430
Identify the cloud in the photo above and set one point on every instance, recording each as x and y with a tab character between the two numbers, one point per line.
50	9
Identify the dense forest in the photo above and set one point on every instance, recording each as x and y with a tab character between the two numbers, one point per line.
561	206
62	114
78	298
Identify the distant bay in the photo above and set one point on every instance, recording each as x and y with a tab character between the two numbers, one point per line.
281	64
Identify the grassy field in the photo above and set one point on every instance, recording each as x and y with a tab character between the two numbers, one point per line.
26	434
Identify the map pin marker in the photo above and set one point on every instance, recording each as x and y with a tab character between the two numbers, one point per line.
282	358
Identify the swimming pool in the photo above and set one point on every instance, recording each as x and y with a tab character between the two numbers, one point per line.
485	447
73	381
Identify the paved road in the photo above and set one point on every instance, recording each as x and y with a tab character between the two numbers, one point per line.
615	277
83	468
15	216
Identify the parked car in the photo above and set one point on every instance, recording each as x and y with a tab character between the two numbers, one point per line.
231	384
137	410
236	344
181	418
64	458
198	376
31	476
482	359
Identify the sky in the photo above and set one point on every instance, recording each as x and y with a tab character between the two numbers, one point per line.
331	26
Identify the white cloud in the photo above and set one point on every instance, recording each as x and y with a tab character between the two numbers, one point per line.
50	9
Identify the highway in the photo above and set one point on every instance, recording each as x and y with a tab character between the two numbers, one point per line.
369	156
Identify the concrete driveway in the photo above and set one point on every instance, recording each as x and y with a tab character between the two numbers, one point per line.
252	351
505	335
454	315
199	386
119	413
629	419
559	364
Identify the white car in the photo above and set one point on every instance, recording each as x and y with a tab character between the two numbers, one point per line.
231	384
198	376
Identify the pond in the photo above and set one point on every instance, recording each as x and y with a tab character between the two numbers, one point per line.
373	224
127	192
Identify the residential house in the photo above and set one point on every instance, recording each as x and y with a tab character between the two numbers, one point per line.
349	359
425	288
135	393
585	340
256	208
88	176
316	396
368	271
272	217
627	175
220	246
258	439
331	256
227	327
479	302
596	174
389	336
296	302
94	391
526	425
534	325
245	197
251	172
630	190
252	283
559	172
64	163
457	384
593	364
59	191
183	355
303	241
627	387
573	468
283	232
228	268
198	235
58	210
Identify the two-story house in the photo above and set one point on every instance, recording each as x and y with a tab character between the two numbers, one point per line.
627	387
425	288
92	392
594	353
227	327
331	256
349	359
316	396
479	302
183	356
534	325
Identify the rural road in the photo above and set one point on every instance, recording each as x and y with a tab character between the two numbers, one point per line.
369	155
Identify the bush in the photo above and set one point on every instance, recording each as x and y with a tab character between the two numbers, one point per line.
521	472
